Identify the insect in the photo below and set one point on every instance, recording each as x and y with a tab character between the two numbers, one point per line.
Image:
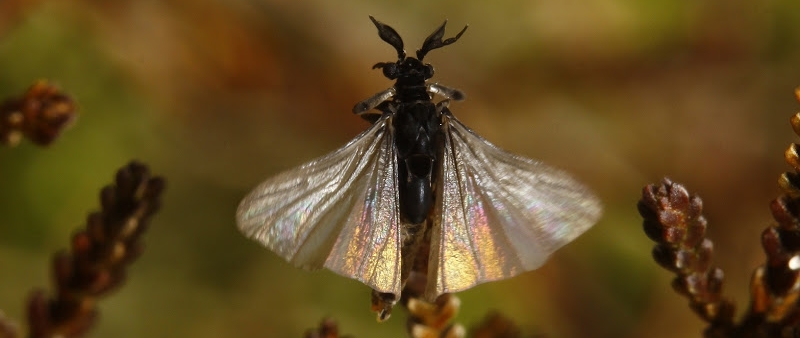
417	185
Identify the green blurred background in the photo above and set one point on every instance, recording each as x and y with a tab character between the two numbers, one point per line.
218	95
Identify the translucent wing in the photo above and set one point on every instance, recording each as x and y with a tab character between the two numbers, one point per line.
339	212
500	214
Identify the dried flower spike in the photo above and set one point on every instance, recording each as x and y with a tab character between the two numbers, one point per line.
674	220
99	255
495	325
775	286
40	115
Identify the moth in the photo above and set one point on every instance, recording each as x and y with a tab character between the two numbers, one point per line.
417	190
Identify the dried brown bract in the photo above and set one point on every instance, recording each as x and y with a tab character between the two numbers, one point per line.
7	328
327	329
40	115
495	325
433	320
99	255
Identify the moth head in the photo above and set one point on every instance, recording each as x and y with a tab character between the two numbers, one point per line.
410	66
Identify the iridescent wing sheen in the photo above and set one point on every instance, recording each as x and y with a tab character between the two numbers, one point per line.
338	211
499	214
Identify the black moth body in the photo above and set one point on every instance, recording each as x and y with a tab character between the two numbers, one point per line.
417	194
417	121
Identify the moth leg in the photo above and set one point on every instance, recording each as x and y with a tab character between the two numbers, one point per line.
373	101
446	92
441	107
382	304
372	116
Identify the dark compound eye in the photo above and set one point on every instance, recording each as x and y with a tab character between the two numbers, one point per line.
391	71
428	72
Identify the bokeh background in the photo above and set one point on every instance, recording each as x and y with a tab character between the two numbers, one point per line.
217	95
